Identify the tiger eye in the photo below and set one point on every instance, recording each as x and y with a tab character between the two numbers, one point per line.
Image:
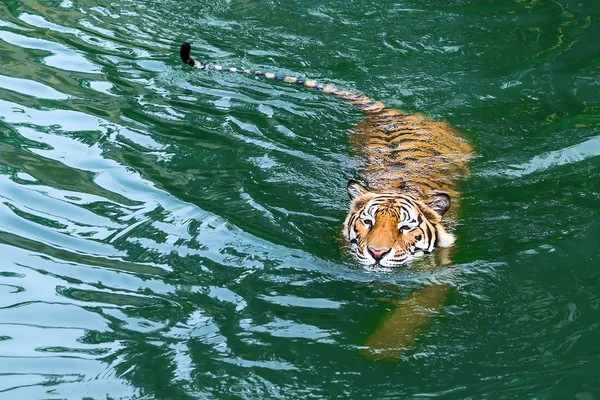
418	237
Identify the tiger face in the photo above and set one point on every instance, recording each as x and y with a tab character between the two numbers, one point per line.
391	228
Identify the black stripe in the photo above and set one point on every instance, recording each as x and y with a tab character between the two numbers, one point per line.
384	197
400	126
411	139
429	184
409	201
373	205
409	158
366	105
390	136
355	231
405	209
429	234
434	153
350	96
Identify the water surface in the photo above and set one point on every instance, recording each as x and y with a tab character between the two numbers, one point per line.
172	234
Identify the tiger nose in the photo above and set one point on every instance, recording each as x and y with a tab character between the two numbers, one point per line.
377	254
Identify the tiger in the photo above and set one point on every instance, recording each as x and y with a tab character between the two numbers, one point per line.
412	167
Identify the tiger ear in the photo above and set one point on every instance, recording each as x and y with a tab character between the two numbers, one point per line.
355	189
439	202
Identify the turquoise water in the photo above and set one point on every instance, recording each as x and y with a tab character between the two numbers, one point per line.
172	234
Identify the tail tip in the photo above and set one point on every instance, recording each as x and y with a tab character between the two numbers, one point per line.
184	52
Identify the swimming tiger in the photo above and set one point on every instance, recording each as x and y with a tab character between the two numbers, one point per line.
412	165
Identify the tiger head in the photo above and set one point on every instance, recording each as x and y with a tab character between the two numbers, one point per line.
391	228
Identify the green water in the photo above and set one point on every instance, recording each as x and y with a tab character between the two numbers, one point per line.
172	234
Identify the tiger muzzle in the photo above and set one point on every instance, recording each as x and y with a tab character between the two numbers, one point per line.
378	253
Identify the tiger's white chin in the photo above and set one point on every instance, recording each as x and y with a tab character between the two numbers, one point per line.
389	261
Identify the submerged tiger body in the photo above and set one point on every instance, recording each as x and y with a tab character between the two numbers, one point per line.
413	164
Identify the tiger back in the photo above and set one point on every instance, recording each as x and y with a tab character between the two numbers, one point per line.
411	153
413	163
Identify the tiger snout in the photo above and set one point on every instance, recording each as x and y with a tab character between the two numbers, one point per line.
378	254
382	256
